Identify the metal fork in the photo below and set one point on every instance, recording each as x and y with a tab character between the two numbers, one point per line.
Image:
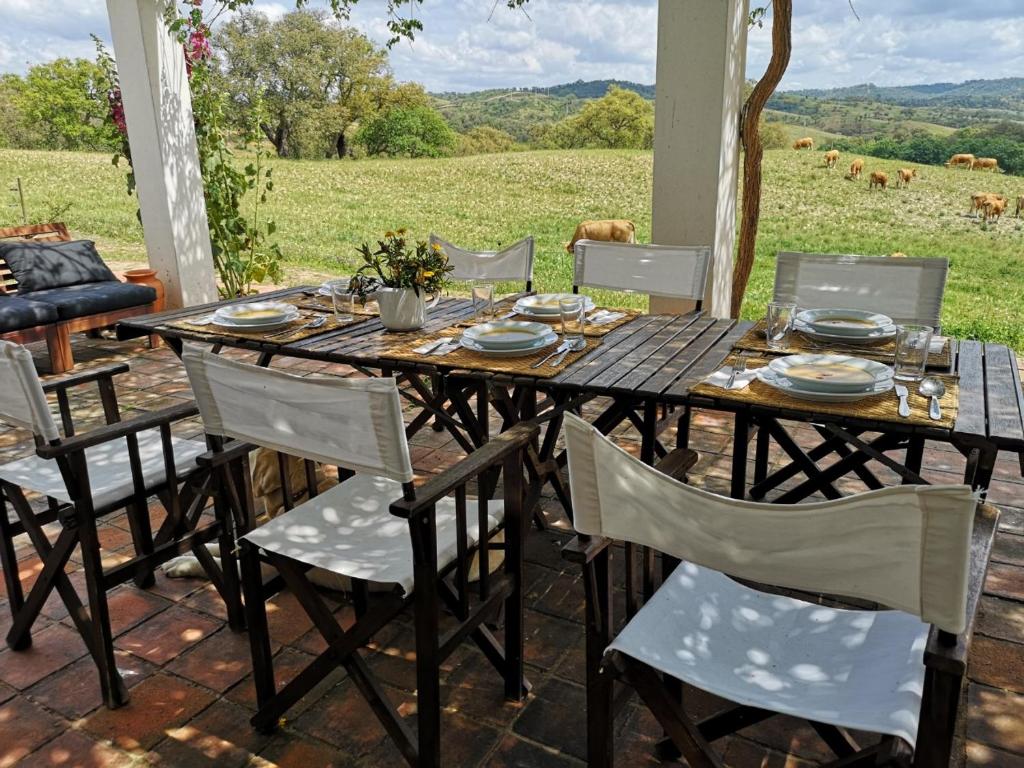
739	367
563	347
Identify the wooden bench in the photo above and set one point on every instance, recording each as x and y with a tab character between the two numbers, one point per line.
57	334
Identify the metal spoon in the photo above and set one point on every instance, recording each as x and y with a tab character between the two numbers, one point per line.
933	388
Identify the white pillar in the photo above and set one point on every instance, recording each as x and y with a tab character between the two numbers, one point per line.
701	59
158	110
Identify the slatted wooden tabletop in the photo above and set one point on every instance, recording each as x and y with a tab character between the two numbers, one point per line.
654	357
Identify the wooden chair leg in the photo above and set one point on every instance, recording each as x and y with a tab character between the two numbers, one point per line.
600	685
517	528
142	539
939	704
58	345
155	341
427	617
256	620
9	560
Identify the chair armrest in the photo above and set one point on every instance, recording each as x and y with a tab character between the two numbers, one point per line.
945	651
86	377
491	453
677	463
231	452
582	548
118	430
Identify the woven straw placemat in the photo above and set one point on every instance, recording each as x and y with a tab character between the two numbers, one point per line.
592	331
474	361
210	329
754	341
879	408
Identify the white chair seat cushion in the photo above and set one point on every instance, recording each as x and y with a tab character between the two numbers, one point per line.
859	669
110	476
350	531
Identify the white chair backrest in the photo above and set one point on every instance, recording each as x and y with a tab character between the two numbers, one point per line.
907	290
679	272
353	423
906	547
512	263
22	401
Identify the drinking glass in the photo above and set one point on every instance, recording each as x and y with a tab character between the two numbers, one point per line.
912	343
344	300
483	300
779	324
572	311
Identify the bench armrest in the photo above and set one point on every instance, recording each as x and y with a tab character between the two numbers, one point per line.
948	652
582	549
118	430
86	377
229	453
490	454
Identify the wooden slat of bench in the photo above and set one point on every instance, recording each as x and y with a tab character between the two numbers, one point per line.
970	418
1002	391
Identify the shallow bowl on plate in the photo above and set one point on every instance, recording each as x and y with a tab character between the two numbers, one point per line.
783	384
844	322
257	313
831	373
506	334
547	303
526	349
877	336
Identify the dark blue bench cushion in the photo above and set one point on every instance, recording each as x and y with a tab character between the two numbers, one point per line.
94	298
17	313
39	266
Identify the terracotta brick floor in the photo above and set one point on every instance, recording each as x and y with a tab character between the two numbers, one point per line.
191	691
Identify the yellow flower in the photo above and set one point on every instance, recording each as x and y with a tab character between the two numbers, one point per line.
436	247
389	234
402	231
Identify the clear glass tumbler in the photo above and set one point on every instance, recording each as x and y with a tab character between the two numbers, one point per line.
912	343
344	300
573	314
483	300
779	324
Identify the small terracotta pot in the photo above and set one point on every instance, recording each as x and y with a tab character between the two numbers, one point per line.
146	276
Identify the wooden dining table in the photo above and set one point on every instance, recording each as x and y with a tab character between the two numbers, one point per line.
643	372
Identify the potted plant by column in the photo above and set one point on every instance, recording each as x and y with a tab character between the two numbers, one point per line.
402	274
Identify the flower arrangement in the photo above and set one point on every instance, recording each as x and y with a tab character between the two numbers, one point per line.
400	263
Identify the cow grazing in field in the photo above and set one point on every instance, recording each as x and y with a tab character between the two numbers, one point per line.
1020	206
978	200
608	230
994	208
831	158
984	164
856	167
964	159
878	179
805	143
904	175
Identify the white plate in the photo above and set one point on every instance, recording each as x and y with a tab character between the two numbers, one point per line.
857	323
781	383
542	342
875	337
831	373
256	313
325	287
546	304
225	323
506	334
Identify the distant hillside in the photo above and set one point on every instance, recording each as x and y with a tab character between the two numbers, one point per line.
594	89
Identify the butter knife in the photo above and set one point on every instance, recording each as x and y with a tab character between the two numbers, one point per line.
902	392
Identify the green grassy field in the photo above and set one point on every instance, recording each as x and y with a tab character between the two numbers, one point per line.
325	209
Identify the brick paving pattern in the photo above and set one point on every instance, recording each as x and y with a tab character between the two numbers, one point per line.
191	690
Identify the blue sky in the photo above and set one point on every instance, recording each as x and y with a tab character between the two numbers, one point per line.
471	44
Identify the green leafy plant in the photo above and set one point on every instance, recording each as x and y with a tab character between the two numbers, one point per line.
399	263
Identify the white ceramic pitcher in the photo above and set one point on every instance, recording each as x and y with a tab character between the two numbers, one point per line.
402	309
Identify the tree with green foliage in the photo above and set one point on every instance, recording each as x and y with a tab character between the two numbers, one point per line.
621	119
485	140
413	131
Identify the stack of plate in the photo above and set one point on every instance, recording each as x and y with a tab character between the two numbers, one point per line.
544	306
848	326
326	287
508	338
256	316
827	378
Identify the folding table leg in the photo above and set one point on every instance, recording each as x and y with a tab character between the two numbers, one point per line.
740	438
8	559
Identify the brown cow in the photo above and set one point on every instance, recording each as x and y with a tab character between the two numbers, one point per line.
904	175
831	158
985	164
608	230
994	208
805	143
978	200
878	179
956	161
1020	206
856	167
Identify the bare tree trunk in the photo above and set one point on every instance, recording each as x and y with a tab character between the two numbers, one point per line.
753	152
278	137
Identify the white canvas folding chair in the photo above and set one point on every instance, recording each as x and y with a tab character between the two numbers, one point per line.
86	476
910	290
896	671
375	526
514	263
